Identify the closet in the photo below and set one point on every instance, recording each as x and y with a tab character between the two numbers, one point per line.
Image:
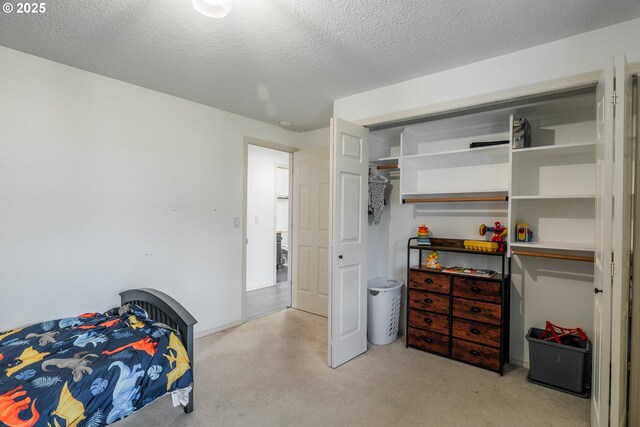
563	187
453	188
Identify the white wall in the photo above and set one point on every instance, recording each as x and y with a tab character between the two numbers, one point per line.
106	186
261	215
315	138
579	54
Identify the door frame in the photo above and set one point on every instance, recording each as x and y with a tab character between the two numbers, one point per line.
248	140
290	222
634	375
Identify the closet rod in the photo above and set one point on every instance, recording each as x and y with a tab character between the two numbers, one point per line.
458	199
554	256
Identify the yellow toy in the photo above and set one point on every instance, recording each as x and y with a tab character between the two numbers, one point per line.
433	261
481	246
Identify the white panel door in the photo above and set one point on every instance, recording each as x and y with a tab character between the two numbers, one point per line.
348	253
621	242
310	271
603	247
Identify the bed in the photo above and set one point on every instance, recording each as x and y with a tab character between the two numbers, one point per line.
97	368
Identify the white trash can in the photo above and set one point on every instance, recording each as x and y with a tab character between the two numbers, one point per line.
383	314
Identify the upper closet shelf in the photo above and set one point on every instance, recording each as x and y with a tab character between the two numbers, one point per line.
495	195
494	149
554	197
567	246
557	150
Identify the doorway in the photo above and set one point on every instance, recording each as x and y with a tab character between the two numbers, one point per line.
268	230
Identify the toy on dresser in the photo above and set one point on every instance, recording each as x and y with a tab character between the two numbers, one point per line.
499	234
423	235
523	233
433	261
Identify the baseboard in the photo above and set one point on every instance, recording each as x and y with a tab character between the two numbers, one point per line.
202	334
520	363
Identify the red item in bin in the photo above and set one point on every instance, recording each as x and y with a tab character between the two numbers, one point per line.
555	333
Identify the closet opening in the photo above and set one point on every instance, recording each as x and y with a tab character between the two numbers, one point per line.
267	255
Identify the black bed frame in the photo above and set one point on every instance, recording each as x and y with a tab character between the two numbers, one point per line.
162	308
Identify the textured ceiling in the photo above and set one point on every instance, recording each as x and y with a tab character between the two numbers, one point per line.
278	60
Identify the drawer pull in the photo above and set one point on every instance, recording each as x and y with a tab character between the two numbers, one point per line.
475	310
427	320
475	289
475	331
428	280
474	353
428	300
429	340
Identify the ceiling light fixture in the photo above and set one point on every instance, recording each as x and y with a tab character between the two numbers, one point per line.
286	123
213	8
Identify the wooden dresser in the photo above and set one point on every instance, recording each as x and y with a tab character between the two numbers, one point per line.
456	316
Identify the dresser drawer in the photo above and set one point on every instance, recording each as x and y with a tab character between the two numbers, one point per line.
429	341
429	301
426	281
477	310
476	354
430	321
476	332
476	289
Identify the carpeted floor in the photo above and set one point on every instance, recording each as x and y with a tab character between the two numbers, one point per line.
273	372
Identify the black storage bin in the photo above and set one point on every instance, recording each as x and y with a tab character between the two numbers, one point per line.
563	367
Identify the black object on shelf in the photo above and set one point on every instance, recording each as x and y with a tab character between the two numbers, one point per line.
488	143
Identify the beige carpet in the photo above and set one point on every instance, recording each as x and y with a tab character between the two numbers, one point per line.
273	372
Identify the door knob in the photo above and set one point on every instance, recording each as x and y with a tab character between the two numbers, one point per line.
339	256
597	291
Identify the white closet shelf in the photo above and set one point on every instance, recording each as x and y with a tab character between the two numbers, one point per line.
554	197
557	150
493	149
387	159
567	246
483	196
465	193
452	211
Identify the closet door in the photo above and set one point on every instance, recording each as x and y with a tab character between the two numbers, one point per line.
348	233
603	248
621	242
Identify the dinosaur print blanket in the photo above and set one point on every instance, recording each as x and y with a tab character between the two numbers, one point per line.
89	370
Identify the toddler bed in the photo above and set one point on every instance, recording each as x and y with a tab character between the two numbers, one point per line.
97	368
